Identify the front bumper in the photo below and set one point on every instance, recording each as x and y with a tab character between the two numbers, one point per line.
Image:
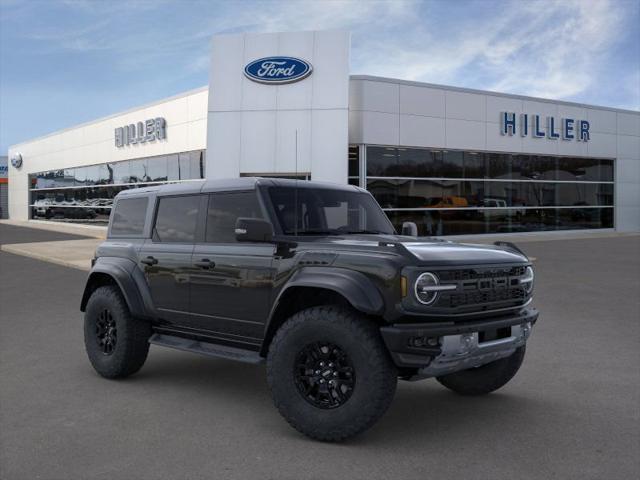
434	349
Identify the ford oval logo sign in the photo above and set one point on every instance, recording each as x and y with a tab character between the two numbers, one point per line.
277	70
16	160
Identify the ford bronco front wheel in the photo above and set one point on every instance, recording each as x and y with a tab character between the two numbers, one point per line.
486	378
117	344
329	373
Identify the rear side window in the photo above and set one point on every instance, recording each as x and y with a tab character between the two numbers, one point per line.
176	219
224	209
128	216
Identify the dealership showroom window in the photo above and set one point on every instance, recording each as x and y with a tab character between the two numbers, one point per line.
458	192
444	192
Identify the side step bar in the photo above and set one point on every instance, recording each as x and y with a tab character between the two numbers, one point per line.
204	348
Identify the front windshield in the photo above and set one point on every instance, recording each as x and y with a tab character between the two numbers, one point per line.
322	211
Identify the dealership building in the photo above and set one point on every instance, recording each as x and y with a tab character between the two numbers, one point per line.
452	160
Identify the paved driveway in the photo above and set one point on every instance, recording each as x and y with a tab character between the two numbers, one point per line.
571	412
12	234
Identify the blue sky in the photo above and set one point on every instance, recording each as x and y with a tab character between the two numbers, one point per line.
67	62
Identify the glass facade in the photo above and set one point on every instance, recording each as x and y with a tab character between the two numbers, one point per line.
448	192
85	194
445	192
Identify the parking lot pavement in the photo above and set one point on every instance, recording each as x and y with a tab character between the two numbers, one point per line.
572	412
68	250
14	234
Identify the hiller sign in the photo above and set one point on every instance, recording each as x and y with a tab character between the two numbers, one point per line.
142	132
565	128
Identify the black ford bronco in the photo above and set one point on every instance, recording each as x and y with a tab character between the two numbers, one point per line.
312	279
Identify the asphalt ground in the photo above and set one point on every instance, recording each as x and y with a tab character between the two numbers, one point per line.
12	234
572	412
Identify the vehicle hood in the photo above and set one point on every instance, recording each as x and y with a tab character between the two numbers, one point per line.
425	249
450	252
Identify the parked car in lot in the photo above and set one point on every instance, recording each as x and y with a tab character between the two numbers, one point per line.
312	279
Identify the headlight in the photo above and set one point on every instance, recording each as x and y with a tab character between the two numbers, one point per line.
427	287
527	280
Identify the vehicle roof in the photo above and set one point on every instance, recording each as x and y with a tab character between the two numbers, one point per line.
241	183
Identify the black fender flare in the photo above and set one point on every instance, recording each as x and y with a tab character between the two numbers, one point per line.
129	279
355	286
358	289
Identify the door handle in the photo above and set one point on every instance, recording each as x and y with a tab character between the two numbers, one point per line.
149	260
205	263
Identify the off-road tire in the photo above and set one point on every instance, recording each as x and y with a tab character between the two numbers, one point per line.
132	341
484	379
375	374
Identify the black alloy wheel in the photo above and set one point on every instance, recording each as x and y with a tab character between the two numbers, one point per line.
116	343
330	373
106	332
324	375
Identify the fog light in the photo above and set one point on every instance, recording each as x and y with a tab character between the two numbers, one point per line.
419	342
466	342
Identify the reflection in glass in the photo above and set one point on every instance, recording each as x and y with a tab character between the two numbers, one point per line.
91	175
105	174
121	172
606	171
138	171
354	161
466	222
68	178
85	194
173	168
58	179
474	165
532	186
157	169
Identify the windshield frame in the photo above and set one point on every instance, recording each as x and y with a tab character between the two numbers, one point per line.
278	228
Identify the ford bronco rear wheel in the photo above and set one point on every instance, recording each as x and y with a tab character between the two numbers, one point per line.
329	373
116	343
484	379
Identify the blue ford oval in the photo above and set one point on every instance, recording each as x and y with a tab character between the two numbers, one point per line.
277	70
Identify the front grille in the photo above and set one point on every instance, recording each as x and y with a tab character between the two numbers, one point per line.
486	297
482	287
477	273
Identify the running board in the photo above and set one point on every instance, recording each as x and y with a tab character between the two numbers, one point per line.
204	348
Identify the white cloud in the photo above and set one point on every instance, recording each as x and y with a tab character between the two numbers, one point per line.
555	49
570	38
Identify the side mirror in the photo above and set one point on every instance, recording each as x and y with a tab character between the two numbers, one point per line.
253	230
410	229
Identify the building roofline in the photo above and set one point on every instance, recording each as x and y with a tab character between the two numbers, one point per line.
113	115
488	92
351	77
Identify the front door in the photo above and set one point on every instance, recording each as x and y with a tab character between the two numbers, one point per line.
232	281
166	258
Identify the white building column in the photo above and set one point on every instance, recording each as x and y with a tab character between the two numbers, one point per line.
254	128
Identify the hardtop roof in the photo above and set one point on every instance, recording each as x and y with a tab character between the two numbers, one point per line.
221	185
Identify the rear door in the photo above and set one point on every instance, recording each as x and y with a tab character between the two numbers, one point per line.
232	280
166	258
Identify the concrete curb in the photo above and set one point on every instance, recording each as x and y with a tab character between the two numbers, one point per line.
19	249
72	229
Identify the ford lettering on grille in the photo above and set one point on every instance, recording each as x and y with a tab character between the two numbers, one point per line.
482	286
277	70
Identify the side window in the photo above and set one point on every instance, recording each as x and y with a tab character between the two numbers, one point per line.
128	216
176	219
224	209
